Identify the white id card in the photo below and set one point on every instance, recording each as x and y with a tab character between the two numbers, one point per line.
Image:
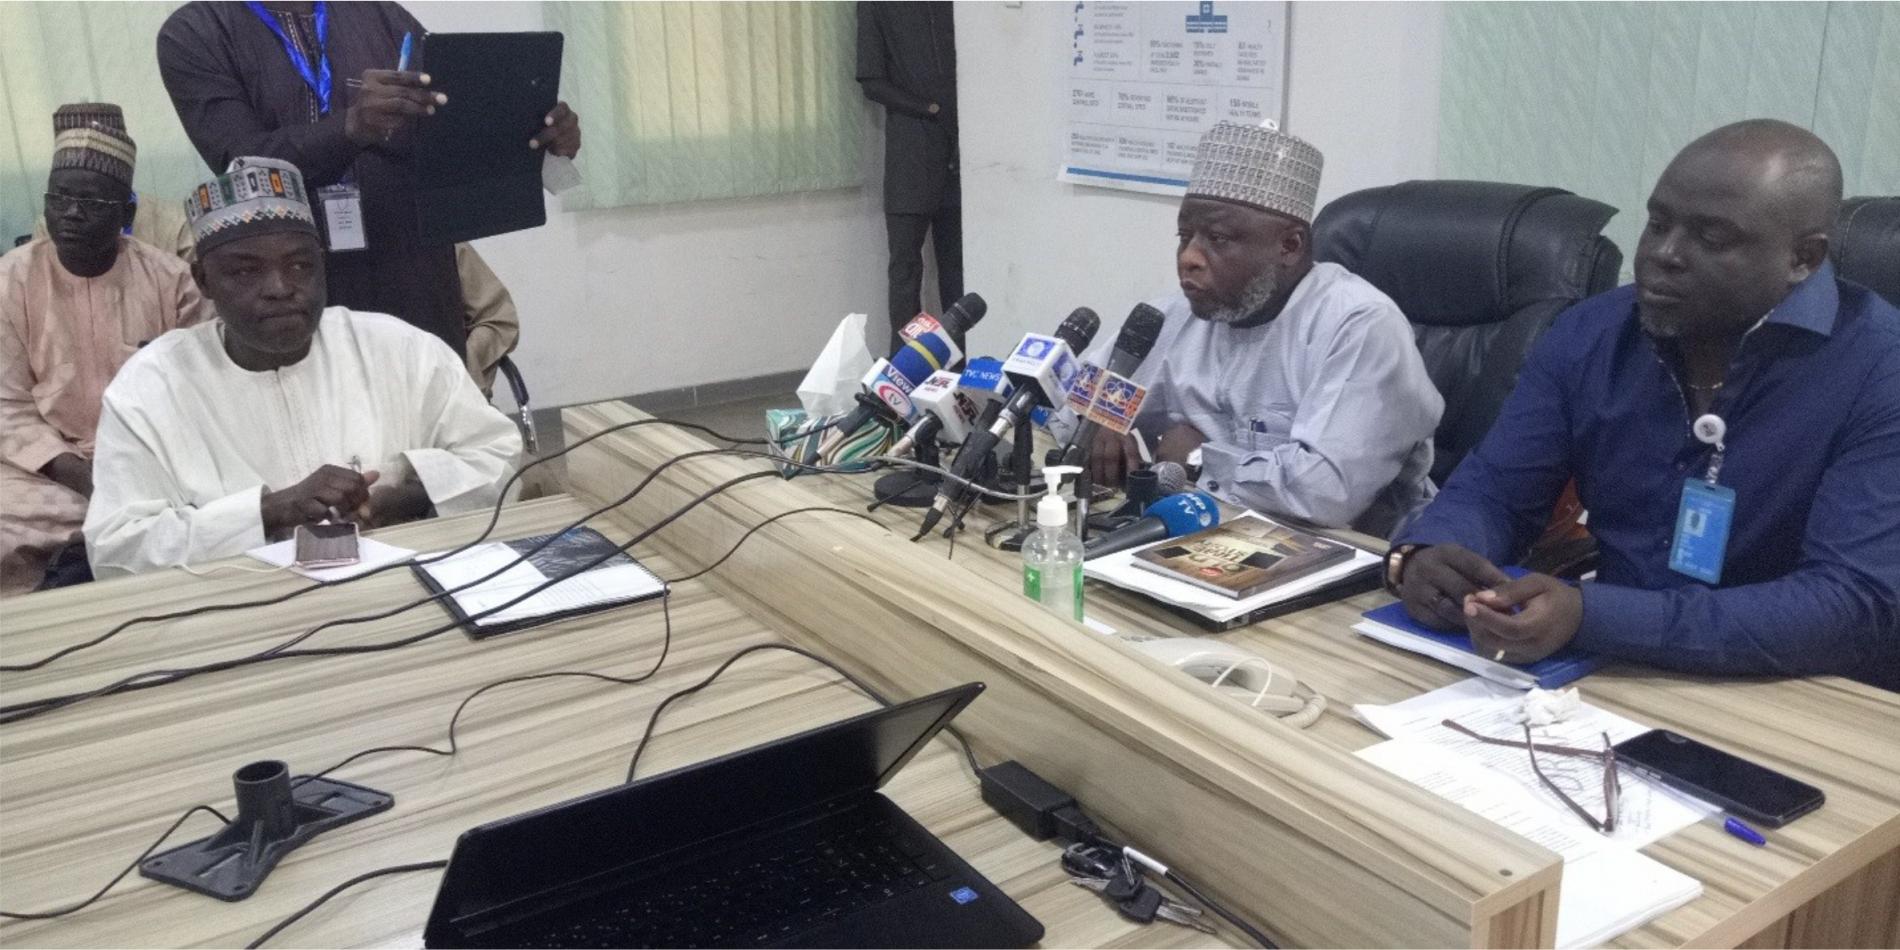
343	216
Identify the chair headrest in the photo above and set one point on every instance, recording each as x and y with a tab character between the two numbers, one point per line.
1866	244
1458	253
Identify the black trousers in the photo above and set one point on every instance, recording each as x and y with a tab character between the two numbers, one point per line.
907	261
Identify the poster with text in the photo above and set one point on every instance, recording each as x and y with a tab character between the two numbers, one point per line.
1146	79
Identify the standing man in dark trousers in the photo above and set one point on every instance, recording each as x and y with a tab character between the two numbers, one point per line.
907	62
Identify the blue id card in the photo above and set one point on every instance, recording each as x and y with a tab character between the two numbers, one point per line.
1702	525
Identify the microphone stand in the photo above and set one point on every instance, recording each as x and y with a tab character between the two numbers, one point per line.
912	487
1022	460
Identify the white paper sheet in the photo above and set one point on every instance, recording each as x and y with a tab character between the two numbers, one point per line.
601	585
1646	811
371	555
1608	887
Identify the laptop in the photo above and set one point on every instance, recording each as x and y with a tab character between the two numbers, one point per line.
786	844
475	174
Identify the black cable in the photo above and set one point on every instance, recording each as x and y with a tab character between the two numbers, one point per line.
1211	904
666	646
755	529
17	712
654	720
145	680
50	914
494	519
340	888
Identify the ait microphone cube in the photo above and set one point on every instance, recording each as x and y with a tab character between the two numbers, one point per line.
1044	362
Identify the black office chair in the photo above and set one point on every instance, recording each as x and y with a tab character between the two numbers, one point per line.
1480	268
1866	245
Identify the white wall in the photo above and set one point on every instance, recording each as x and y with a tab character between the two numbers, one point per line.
629	300
1362	87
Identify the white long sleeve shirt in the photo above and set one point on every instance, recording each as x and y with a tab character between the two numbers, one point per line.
188	441
1324	413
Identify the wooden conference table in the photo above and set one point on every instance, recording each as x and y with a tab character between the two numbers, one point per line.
1320	847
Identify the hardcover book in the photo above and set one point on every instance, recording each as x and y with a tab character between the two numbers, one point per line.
1243	557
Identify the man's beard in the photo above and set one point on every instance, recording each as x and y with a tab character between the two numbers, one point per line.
1258	293
1680	326
1661	326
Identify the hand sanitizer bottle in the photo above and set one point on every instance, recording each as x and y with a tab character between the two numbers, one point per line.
1052	555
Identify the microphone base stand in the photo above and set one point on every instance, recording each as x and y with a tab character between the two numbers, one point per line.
1022	458
912	487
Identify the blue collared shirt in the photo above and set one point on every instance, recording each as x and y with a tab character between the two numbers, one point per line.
1811	578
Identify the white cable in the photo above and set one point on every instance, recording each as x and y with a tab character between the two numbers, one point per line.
207	572
1145	861
952	476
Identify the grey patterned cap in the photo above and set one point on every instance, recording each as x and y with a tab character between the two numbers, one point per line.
253	196
1257	167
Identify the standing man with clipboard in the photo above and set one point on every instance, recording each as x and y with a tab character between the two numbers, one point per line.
311	84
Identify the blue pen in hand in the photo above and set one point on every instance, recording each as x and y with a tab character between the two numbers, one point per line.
408	46
1736	827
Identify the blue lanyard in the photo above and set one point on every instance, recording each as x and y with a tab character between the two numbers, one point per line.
319	79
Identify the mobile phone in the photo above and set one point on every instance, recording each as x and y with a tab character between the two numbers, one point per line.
1752	791
332	544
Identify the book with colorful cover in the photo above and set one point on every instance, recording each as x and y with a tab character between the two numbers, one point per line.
1243	557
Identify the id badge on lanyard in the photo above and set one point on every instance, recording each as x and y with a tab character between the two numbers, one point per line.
341	203
1706	513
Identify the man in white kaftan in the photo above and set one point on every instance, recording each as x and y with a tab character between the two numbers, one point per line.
218	438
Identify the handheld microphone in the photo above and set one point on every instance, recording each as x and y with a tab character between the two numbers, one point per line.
984	382
1132	345
1170	517
926	344
947	412
1043	368
1170	477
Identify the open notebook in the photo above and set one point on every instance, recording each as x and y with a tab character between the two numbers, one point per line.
616	581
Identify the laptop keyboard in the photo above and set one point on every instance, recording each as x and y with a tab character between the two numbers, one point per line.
762	894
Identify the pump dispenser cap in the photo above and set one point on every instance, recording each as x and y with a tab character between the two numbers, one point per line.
1053	510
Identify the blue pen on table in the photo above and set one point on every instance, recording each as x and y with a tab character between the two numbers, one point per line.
408	45
1736	827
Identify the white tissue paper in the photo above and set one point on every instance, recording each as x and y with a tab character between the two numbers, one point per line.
831	386
1541	707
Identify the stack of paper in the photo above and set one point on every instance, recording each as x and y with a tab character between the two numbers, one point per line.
1119	569
1609	886
371	554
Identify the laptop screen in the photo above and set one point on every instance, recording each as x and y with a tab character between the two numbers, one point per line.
544	850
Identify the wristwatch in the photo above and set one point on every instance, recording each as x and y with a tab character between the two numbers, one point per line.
1395	566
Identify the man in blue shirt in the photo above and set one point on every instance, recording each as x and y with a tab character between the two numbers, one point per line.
1737	363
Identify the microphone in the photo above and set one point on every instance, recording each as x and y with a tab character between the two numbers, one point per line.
947	411
1132	345
1170	477
926	344
980	392
1042	369
1171	517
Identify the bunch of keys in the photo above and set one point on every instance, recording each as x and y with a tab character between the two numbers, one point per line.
1112	875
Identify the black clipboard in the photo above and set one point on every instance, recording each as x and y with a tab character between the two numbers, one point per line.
475	174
